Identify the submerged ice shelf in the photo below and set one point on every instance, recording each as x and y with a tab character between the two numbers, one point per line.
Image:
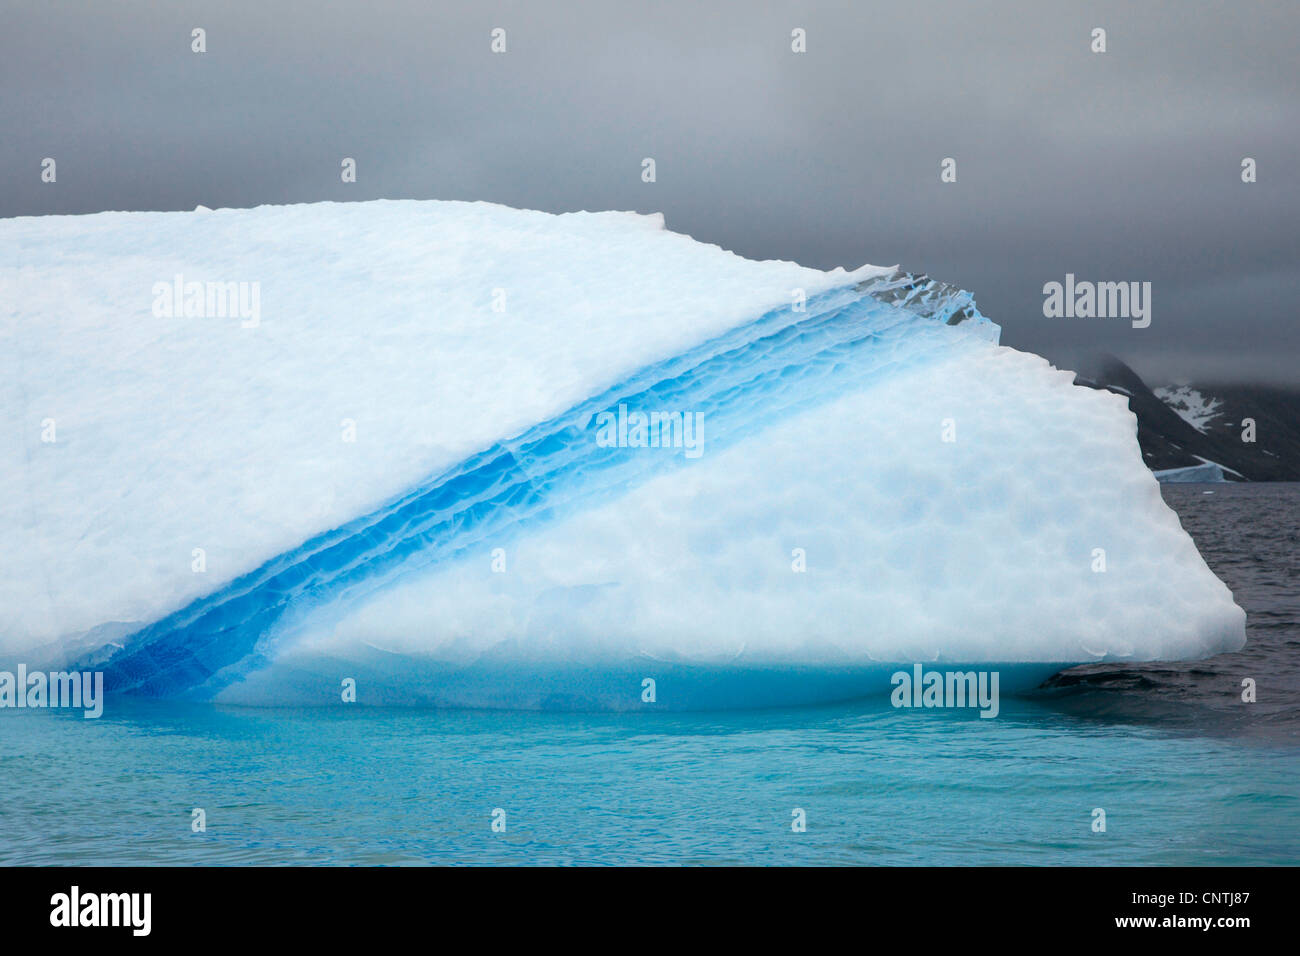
825	433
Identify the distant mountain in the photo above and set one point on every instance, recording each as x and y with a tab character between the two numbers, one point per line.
1185	426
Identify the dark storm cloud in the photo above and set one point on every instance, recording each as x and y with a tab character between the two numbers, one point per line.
1115	166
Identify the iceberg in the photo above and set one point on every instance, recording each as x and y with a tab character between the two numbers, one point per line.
467	455
1207	471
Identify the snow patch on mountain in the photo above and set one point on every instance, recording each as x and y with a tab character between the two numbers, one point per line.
1195	408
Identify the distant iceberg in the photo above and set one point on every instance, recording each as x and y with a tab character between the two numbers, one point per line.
1207	471
468	455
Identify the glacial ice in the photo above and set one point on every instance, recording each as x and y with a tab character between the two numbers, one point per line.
1207	471
200	525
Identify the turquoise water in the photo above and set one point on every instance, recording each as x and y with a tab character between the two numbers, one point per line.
1186	772
360	786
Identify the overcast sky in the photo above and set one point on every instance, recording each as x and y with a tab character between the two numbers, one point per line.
1115	166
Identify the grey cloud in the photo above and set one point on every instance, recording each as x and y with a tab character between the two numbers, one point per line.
1116	166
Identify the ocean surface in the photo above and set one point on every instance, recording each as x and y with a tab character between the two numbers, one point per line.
1185	772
